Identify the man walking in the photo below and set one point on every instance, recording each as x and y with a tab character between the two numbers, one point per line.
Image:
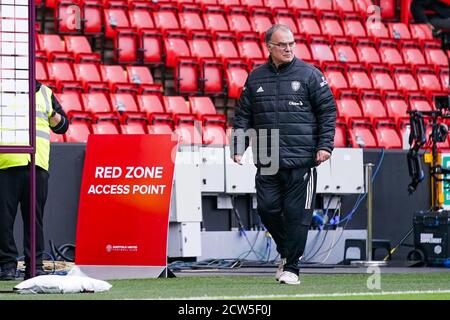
293	97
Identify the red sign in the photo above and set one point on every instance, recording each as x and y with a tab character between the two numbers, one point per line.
124	203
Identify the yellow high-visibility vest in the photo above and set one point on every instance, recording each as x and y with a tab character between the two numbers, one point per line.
43	112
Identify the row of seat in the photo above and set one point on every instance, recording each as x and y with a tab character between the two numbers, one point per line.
358	133
186	134
338	5
143	14
66	76
379	133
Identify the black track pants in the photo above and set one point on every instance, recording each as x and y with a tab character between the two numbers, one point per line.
285	205
14	190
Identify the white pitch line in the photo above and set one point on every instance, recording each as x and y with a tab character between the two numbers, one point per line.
309	295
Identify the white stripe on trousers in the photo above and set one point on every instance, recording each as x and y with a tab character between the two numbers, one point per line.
309	190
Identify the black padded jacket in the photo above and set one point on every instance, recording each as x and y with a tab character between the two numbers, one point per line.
296	100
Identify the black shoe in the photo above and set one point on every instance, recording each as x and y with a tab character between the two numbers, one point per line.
8	274
39	272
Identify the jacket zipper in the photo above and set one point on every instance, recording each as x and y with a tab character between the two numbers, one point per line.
277	115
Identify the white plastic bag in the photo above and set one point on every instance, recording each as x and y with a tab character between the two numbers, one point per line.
74	282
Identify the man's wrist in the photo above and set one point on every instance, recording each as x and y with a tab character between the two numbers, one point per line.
53	114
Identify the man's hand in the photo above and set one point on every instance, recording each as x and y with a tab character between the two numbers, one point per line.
321	156
54	118
238	158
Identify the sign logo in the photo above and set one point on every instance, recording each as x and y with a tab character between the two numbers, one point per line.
295	85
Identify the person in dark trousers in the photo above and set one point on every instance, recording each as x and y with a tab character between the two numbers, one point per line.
293	97
438	20
14	186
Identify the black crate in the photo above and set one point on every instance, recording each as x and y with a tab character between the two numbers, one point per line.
431	235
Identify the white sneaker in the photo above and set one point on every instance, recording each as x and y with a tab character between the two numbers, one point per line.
289	278
280	269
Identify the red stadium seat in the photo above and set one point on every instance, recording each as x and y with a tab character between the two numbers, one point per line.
77	132
124	102
139	75
238	22
214	135
191	20
150	103
188	134
354	28
93	17
396	108
361	134
399	30
176	46
348	108
413	56
340	136
41	71
200	45
358	78
420	104
126	47
274	4
321	51
286	17
140	18
249	48
436	57
301	50
89	75
343	5
104	127
132	128
96	102
215	20
344	52
81	48
186	76
390	55
152	47
405	81
386	134
159	128
115	18
336	79
297	4
201	106
165	19
368	55
377	29
65	18
176	105
212	75
252	3
308	26
70	101
388	8
373	108
261	22
62	74
54	47
421	31
224	46
321	4
117	78
331	27
382	80
236	76
428	81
